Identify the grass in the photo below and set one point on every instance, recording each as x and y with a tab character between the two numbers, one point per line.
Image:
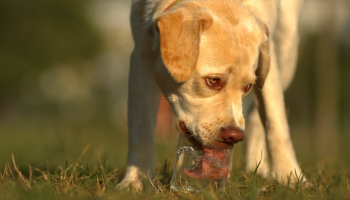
84	181
51	163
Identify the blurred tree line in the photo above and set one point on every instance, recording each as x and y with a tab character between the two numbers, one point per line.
319	95
36	34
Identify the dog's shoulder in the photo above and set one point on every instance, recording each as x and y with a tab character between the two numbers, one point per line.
266	11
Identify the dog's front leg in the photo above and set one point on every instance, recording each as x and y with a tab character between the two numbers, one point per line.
272	112
143	102
256	154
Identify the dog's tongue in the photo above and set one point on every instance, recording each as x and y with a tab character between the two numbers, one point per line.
214	164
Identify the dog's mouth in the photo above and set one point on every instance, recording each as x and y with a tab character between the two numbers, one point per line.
190	137
215	161
198	145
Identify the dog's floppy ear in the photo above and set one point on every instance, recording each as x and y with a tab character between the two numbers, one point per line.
264	61
179	41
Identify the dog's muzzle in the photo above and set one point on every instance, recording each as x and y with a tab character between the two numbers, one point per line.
226	137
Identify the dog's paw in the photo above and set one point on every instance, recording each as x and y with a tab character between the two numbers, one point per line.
290	177
127	185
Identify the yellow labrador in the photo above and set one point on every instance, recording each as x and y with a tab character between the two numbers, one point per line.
206	56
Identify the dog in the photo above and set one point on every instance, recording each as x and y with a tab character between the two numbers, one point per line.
207	57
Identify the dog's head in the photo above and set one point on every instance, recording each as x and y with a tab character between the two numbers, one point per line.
211	53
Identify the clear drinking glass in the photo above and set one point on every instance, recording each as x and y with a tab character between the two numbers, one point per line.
197	170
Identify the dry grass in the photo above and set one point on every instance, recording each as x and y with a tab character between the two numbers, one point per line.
83	181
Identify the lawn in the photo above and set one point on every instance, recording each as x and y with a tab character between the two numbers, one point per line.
57	160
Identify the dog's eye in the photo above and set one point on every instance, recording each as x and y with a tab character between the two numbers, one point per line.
214	83
247	88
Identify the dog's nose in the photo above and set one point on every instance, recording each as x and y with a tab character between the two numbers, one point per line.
231	134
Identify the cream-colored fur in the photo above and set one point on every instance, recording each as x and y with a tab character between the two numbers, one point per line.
239	42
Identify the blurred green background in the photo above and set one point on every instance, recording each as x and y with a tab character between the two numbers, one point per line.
63	83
